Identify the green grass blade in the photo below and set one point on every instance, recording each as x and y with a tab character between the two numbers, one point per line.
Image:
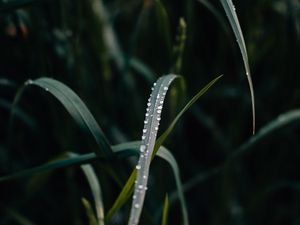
95	188
77	109
89	211
166	155
109	35
62	163
164	220
164	136
123	197
235	25
179	46
149	133
17	217
287	118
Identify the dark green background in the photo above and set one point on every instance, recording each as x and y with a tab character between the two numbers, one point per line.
64	39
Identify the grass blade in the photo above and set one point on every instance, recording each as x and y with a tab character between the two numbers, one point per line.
95	188
151	125
235	25
127	190
288	118
17	217
77	109
179	47
164	220
89	211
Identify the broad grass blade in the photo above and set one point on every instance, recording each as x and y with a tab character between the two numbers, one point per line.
235	25
77	109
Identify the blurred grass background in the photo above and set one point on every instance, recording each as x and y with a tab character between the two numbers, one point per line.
110	53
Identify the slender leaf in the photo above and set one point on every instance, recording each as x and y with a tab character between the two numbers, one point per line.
149	133
77	109
95	188
17	217
235	25
125	193
164	220
288	118
89	211
179	46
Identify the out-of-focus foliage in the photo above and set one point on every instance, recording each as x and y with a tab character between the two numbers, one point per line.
109	53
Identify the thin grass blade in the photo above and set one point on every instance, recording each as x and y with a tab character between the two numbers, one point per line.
89	211
149	133
123	196
164	220
235	25
95	188
179	47
77	109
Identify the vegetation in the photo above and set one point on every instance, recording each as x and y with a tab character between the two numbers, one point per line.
77	148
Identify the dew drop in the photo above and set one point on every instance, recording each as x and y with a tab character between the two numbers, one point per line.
161	102
28	82
159	107
138	167
136	206
145	177
140	187
144	130
46	89
148	104
142	148
158	118
134	197
154	84
156	128
147	114
146	121
158	111
143	137
165	88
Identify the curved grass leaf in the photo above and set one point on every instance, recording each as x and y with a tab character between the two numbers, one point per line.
95	188
285	119
235	25
77	109
164	220
149	133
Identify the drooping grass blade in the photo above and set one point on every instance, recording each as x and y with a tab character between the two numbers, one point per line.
77	109
235	25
